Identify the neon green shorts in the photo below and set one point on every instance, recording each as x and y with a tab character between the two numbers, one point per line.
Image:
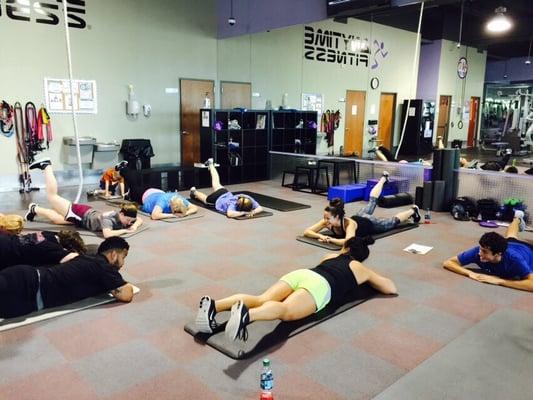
315	284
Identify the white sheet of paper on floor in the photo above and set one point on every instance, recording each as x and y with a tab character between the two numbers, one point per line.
417	249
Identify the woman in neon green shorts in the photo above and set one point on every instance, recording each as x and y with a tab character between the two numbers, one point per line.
299	293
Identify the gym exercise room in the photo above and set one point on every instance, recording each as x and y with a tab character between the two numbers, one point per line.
251	199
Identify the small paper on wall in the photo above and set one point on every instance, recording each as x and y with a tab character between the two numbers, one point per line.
354	109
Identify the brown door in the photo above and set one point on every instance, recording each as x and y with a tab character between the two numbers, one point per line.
192	95
235	94
354	122
387	106
472	122
445	103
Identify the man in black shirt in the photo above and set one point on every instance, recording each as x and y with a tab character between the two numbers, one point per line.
24	288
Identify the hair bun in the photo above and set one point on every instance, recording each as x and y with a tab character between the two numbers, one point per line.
336	202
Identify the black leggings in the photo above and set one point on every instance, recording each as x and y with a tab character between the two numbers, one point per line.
132	179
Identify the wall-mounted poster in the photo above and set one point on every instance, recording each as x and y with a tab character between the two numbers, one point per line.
58	99
313	102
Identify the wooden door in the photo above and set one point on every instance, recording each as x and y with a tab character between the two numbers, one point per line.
235	94
354	122
445	103
387	107
192	95
472	122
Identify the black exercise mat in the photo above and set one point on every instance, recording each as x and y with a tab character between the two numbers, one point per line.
244	217
262	335
376	236
274	202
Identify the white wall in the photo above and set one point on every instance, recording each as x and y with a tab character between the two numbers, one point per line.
150	44
460	89
275	64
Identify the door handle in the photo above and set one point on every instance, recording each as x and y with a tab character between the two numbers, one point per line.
185	133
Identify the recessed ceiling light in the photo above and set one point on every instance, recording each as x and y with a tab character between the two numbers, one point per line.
499	23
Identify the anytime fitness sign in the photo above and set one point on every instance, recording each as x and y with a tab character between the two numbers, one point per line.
44	12
338	48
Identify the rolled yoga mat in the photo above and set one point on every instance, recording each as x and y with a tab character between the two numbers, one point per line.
438	196
395	200
450	161
428	195
419	197
437	165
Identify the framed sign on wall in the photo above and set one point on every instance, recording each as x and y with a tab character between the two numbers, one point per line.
58	98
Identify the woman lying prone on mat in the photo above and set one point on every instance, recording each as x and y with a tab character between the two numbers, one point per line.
40	248
362	224
299	293
160	204
63	212
223	200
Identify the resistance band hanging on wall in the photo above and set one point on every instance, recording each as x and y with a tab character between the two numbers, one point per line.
6	119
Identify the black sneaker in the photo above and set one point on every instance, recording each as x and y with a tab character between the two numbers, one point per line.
386	176
30	215
236	326
192	193
121	165
205	318
209	162
40	164
416	215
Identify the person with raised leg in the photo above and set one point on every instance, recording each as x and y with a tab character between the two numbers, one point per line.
223	200
362	224
63	212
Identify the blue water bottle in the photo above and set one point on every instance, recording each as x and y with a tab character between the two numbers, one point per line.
267	381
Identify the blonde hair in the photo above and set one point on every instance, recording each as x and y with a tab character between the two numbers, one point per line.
11	223
177	204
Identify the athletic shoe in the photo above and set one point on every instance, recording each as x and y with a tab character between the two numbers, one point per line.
205	318
239	318
209	162
520	215
386	176
91	193
121	165
192	193
41	164
30	215
416	215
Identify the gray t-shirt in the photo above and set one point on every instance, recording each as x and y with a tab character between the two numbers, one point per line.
97	221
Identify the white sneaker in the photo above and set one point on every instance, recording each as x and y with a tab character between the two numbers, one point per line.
520	215
205	318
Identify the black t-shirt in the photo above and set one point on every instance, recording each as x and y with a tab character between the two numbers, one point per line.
339	275
364	226
77	279
38	248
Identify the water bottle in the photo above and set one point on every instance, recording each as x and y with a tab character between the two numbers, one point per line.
427	217
267	381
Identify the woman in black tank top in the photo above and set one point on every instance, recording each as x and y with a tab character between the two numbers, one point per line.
341	227
362	224
295	295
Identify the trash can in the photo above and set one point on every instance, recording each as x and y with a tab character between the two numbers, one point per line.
137	152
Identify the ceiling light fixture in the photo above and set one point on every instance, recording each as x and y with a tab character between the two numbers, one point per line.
499	23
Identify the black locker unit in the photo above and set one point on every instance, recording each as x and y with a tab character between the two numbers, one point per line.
294	131
418	138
